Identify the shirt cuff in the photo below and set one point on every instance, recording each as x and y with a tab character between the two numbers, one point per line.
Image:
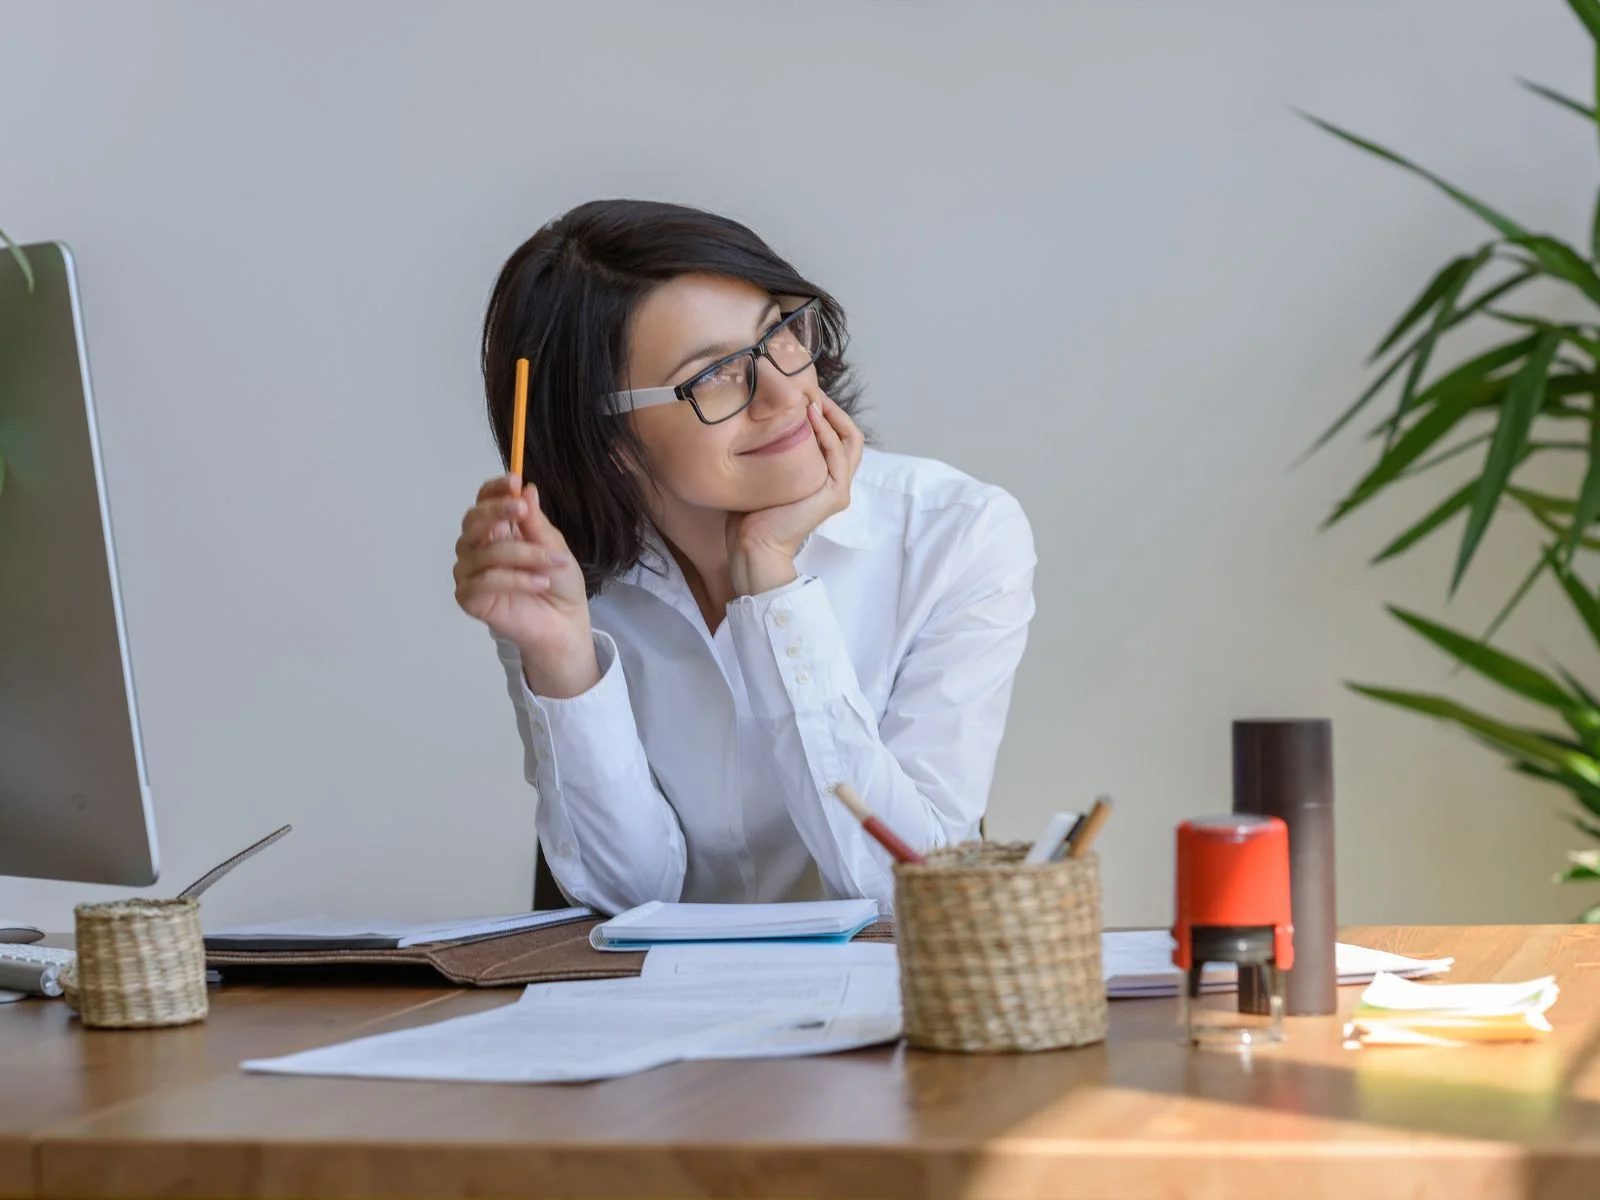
790	648
582	734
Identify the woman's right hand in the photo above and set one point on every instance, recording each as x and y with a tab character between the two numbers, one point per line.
515	574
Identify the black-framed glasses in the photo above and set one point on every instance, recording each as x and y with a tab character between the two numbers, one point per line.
725	388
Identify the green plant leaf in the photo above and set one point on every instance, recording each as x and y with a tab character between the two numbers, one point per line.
1556	257
1491	393
1546	561
1509	284
1540	514
1513	674
1561	98
21	257
1561	739
1522	742
1438	287
1587	509
1577	688
1582	824
1456	502
1478	439
1582	865
1573	384
1586	794
1504	224
1453	503
1361	402
1445	456
1588	11
1571	334
1589	916
1523	400
1584	720
1594	229
1464	272
1583	601
1478	304
1479	368
1543	502
1476	373
1451	405
1562	261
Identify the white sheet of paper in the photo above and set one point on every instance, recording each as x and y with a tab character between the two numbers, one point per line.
853	991
736	958
695	1002
1138	963
571	1041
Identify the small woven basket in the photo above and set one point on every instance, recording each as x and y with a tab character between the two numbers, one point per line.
140	964
996	955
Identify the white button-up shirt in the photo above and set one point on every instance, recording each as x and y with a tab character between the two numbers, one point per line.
700	767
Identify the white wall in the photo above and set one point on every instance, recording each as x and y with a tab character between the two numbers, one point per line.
1089	252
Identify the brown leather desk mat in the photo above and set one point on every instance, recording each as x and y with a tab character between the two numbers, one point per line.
546	955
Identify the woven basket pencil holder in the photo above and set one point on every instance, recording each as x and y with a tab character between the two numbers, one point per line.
140	964
998	955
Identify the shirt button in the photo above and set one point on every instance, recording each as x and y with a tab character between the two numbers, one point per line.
780	618
565	849
794	651
803	677
538	729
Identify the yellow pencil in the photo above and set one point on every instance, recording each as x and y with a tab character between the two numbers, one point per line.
519	419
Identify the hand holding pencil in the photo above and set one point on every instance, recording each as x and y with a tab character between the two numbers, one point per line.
515	573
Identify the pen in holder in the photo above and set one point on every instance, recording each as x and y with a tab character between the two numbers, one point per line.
997	954
141	963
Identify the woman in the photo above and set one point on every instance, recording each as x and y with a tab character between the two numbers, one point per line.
712	603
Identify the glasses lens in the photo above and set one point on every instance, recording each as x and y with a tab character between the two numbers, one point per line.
723	390
794	346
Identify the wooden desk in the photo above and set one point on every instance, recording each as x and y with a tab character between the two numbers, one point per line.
168	1113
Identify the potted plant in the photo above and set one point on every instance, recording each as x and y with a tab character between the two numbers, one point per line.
1534	393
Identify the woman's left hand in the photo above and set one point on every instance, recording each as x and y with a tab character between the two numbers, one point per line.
762	544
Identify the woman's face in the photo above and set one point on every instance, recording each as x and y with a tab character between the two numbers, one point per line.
763	457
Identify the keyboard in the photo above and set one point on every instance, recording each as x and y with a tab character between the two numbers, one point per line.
34	970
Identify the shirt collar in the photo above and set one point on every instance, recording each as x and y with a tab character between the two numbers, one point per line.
854	529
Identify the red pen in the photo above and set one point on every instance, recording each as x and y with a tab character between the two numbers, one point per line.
886	837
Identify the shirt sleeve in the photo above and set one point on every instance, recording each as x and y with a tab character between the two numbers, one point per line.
610	837
926	767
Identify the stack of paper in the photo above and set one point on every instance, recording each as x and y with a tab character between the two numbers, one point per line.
1397	1012
642	927
692	1002
1139	964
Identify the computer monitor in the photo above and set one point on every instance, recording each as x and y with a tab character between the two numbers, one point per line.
74	795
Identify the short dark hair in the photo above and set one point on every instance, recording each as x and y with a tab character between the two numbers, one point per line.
564	301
